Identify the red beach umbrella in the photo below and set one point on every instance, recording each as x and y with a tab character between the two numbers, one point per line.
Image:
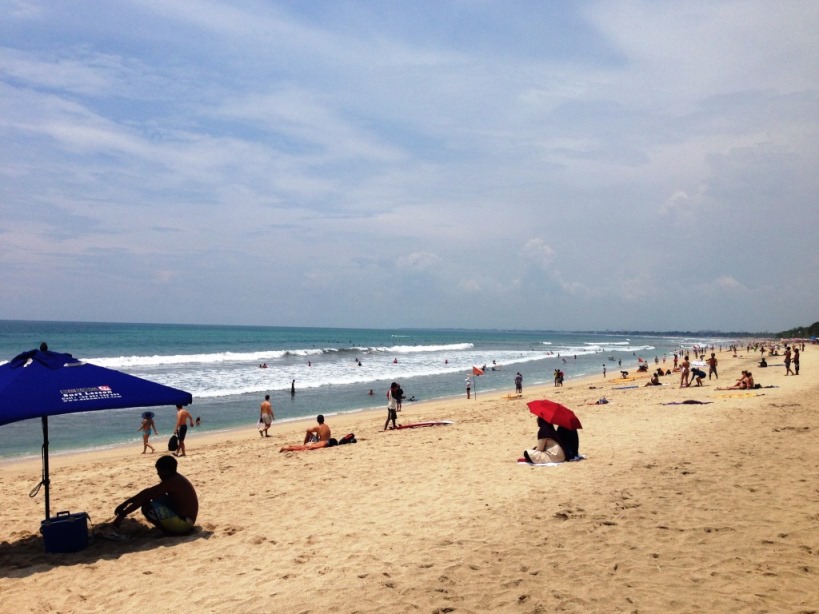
555	413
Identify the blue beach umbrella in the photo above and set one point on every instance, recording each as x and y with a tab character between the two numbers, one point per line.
41	383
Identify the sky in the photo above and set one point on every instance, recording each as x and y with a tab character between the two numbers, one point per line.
616	165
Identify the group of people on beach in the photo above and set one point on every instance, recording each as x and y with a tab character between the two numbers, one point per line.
689	374
183	416
173	505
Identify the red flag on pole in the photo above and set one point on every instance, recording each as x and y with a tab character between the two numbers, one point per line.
477	371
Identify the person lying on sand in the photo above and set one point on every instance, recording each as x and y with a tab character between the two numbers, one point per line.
171	505
746	382
316	437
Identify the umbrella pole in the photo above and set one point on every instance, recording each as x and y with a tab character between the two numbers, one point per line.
45	481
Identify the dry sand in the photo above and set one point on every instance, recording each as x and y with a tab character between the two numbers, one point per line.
677	508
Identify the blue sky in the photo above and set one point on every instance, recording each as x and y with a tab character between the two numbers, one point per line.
483	164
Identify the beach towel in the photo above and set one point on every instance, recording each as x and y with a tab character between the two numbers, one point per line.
417	425
624	387
689	402
523	461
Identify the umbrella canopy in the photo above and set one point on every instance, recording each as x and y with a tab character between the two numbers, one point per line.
555	413
41	383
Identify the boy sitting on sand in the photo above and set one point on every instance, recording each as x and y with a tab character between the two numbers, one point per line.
321	431
171	505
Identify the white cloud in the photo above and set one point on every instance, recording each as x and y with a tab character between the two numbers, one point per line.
419	261
337	150
23	9
165	277
538	253
726	282
470	286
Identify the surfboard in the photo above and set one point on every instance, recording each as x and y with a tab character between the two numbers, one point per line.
417	425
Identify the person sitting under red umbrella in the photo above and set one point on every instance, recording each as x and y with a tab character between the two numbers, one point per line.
548	448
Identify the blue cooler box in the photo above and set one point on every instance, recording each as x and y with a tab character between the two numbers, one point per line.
65	532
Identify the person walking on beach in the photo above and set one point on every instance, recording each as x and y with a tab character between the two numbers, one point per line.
145	427
519	383
392	406
788	370
712	366
795	360
468	388
265	416
171	505
183	416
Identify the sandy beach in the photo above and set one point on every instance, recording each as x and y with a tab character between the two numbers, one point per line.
676	508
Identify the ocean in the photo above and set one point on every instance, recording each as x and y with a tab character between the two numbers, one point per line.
334	370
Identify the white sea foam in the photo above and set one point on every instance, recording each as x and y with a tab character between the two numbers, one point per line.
262	356
223	380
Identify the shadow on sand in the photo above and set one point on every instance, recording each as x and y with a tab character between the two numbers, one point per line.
27	556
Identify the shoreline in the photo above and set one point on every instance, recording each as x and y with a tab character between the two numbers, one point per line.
209	438
232	434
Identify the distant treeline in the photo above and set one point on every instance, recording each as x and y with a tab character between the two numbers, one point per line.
802	331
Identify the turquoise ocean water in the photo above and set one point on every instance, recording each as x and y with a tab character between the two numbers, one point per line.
219	365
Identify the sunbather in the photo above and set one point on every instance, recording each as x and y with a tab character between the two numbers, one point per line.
746	382
316	437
